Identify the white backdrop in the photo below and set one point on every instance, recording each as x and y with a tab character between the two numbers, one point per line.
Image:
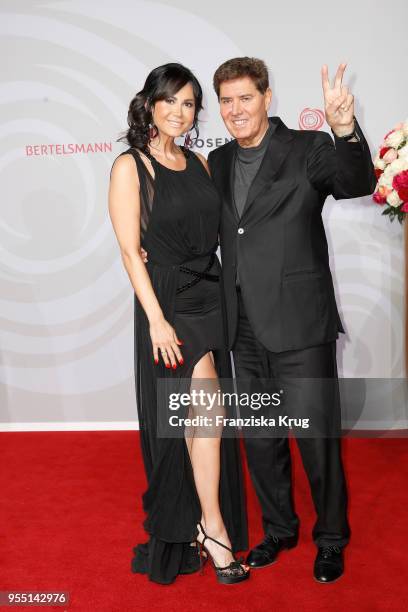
66	304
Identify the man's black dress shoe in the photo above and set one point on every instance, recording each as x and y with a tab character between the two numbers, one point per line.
266	552
329	565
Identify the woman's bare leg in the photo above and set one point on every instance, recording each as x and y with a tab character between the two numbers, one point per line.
205	459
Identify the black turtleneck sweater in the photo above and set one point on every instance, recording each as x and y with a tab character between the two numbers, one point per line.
247	163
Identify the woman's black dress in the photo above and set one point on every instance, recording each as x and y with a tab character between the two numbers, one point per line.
180	214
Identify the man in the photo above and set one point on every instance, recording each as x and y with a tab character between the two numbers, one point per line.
282	316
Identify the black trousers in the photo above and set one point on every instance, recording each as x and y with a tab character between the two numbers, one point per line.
269	458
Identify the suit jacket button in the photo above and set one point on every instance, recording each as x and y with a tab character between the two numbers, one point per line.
241	230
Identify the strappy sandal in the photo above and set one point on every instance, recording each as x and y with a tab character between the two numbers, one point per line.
232	573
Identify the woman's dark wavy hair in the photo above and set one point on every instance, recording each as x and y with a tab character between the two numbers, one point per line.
162	82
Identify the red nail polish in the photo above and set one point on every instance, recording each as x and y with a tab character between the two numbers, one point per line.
167	365
156	361
181	361
174	366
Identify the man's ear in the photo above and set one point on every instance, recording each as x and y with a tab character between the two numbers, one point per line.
268	98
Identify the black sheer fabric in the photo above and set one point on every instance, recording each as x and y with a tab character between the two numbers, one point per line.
180	213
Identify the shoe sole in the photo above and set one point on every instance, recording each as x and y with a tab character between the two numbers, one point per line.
327	581
234	580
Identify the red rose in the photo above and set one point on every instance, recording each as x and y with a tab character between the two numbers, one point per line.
400	184
378	172
379	199
404	207
383	151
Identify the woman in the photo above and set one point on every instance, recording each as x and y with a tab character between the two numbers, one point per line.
162	199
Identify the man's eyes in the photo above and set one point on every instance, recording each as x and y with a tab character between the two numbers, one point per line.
229	101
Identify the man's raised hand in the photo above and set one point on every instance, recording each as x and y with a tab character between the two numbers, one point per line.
338	102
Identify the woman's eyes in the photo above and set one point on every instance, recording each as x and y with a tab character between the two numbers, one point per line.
172	100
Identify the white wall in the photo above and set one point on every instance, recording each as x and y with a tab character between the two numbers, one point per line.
66	305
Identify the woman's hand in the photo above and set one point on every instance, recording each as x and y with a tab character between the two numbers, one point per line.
164	340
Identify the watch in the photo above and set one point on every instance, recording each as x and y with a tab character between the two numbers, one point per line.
348	137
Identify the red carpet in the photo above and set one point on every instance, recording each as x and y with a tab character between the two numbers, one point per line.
71	513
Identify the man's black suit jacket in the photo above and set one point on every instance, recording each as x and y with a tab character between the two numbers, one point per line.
279	243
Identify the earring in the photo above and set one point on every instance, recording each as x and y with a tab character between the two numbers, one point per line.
188	141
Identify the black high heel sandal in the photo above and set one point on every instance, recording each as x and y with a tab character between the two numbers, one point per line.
232	573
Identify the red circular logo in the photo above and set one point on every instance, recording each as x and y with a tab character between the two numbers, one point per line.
311	119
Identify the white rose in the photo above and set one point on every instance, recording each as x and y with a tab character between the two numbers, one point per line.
397	166
405	128
395	138
385	180
379	163
403	152
393	199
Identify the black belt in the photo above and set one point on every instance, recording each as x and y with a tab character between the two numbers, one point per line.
198	275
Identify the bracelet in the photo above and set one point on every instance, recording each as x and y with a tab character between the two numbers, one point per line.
348	137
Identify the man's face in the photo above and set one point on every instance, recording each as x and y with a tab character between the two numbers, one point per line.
244	109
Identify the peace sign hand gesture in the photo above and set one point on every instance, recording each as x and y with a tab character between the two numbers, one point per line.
338	102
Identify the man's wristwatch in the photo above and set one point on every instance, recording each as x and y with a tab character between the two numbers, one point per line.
348	137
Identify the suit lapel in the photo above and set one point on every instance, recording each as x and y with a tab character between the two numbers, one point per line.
280	144
227	178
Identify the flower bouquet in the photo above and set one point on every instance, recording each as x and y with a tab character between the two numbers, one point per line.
391	169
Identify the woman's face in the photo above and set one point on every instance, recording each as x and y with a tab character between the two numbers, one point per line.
175	115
